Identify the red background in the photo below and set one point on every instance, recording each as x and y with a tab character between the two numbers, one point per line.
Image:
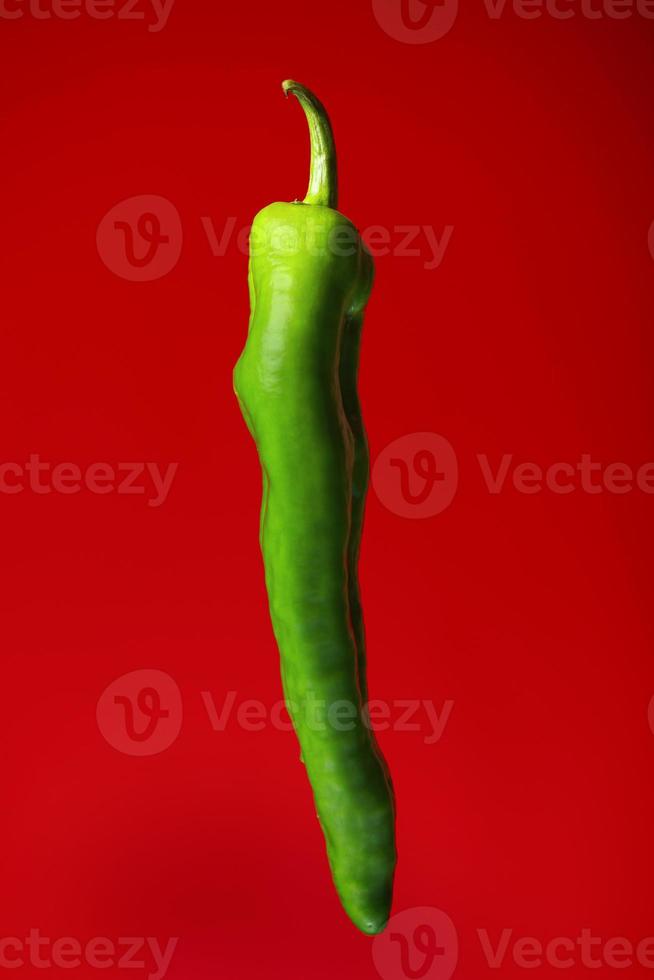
531	612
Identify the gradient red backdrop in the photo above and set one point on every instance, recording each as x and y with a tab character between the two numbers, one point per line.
527	616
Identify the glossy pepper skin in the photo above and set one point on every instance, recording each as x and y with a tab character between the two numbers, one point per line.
310	278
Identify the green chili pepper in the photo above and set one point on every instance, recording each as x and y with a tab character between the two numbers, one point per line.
310	277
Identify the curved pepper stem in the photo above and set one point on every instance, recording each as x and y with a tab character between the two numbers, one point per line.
323	182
